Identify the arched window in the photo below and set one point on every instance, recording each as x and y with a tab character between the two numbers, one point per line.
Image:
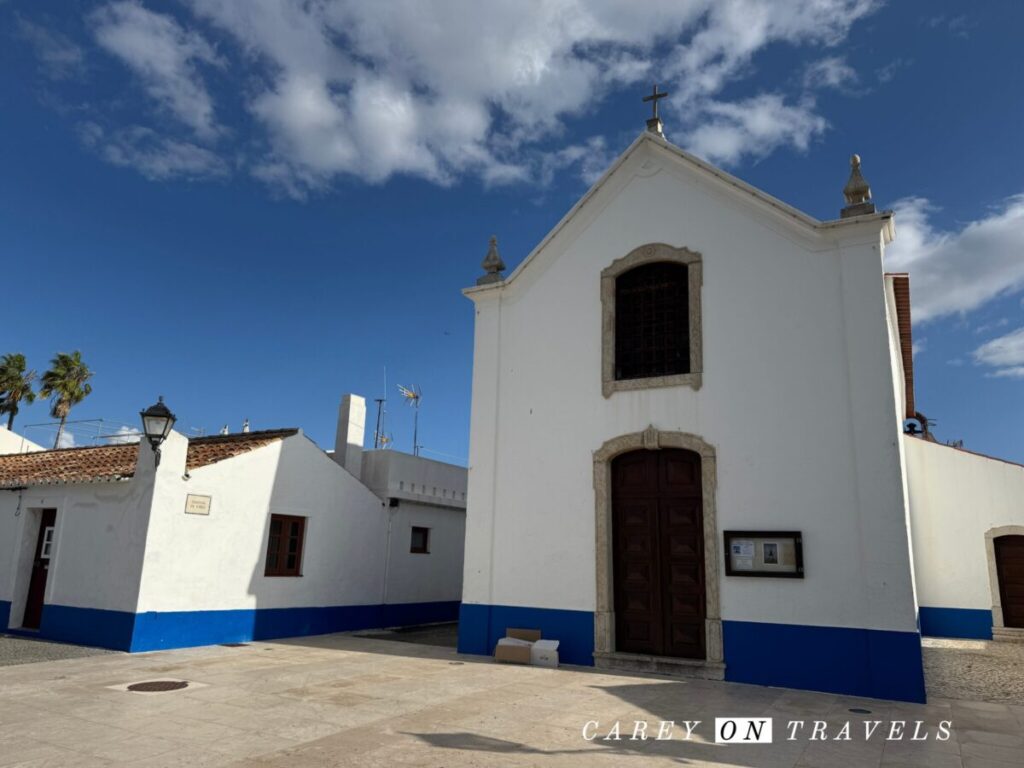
652	321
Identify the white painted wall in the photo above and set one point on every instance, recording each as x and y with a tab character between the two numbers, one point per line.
414	478
798	400
12	442
436	576
99	541
130	546
199	562
955	498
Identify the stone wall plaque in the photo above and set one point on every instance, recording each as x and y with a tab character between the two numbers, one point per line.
196	504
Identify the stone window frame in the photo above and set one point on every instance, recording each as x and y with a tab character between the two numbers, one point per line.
649	254
653	439
993	572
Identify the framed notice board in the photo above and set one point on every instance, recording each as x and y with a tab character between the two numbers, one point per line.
778	554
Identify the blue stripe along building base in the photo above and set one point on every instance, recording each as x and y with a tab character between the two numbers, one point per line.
973	623
860	662
159	630
481	626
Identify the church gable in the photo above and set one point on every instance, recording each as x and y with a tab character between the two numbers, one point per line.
650	156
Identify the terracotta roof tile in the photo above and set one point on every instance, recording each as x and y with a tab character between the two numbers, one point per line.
901	292
108	463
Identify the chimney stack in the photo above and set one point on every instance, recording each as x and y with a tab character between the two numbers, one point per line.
348	440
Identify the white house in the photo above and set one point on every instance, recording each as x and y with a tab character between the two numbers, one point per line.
967	514
229	538
685	442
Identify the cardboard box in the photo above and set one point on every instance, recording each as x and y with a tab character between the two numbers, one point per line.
533	635
544	653
513	650
516	646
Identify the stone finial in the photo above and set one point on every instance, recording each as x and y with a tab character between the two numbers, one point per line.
493	265
857	192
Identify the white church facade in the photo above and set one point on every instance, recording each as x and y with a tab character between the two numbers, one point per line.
686	448
228	538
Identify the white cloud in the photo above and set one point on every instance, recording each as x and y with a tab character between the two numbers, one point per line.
153	155
919	346
986	327
440	90
67	440
591	158
1005	354
59	56
165	57
755	127
830	72
958	271
888	72
124	435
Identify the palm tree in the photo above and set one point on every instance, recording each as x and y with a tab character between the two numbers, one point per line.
15	385
66	384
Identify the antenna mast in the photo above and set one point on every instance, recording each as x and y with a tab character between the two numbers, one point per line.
412	396
379	441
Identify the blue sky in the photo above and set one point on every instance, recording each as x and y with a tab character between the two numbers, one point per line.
252	208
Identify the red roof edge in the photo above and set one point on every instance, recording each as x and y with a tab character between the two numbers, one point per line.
901	291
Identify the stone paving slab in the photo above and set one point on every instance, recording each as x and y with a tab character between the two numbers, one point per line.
27	650
974	669
341	700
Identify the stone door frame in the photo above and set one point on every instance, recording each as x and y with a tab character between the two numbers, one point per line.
993	573
653	439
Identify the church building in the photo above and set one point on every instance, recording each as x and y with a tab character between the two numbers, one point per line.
686	444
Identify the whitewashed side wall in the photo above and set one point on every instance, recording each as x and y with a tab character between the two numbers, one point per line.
399	475
216	562
797	399
436	576
99	537
12	442
957	497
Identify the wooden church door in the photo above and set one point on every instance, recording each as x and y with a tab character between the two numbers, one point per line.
1010	572
658	551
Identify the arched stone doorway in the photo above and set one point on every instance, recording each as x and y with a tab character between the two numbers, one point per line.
1005	549
684	453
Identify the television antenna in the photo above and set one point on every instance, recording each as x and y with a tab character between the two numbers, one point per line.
412	396
380	440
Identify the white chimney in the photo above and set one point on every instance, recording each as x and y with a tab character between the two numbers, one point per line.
348	440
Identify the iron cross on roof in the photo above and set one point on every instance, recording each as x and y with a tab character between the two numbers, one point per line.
654	98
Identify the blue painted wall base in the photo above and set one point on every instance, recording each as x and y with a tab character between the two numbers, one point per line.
970	623
859	662
150	631
5	614
481	626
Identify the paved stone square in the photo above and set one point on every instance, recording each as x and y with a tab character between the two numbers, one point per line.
974	669
27	650
343	700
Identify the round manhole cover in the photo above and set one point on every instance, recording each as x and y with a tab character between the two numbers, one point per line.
158	686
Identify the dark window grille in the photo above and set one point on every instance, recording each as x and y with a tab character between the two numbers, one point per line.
652	321
284	546
420	541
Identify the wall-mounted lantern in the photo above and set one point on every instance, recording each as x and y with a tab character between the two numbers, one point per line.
157	421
